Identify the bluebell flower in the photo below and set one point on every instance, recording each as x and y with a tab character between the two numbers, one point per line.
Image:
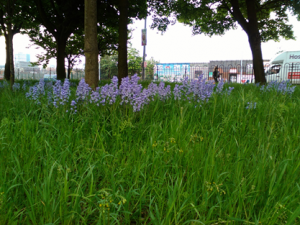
251	105
283	87
4	84
83	90
24	87
16	86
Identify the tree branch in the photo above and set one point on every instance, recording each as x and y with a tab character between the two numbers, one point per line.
44	18
55	10
237	14
270	4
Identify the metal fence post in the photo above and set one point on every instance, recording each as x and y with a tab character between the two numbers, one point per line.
292	73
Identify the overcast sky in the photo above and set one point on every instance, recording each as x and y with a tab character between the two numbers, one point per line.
178	44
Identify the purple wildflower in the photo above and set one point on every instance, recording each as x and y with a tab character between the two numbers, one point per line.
251	105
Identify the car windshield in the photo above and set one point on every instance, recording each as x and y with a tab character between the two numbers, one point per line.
275	69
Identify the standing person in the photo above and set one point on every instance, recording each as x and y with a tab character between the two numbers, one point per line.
216	74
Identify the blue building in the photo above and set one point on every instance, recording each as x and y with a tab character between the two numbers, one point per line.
172	71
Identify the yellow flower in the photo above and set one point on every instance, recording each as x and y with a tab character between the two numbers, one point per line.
119	203
154	144
172	140
100	205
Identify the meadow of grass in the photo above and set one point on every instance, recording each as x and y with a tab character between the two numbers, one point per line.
171	163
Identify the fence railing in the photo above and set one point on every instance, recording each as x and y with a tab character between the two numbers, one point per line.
230	73
76	74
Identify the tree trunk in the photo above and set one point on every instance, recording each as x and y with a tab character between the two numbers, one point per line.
69	68
69	72
258	66
91	43
11	55
7	63
122	56
255	42
60	59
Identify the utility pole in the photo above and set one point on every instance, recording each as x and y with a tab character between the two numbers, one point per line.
144	42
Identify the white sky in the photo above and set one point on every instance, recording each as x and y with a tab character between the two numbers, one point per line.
178	44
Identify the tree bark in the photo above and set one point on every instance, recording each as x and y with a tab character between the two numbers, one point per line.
252	31
11	55
60	59
69	68
7	63
122	50
258	66
255	42
91	43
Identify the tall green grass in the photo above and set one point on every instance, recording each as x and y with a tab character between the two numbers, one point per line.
171	163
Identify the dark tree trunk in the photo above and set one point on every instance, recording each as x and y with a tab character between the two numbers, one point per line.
258	66
69	68
122	56
11	60
69	71
255	42
7	63
11	55
91	43
60	59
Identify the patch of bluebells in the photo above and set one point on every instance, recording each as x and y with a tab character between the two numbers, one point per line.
129	92
283	87
109	92
16	86
36	91
160	90
129	89
4	84
199	90
83	91
251	105
164	92
60	93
